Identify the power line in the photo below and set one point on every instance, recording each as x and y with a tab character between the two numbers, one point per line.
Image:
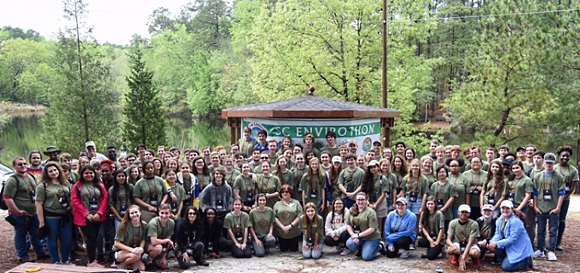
486	15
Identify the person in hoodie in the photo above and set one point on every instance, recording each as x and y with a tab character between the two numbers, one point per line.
217	195
400	230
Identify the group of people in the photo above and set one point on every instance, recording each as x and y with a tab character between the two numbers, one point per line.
140	209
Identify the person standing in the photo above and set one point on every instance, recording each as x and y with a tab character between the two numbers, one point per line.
350	181
20	195
570	174
247	143
53	208
549	191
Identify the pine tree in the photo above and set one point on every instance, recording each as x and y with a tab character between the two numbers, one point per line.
145	121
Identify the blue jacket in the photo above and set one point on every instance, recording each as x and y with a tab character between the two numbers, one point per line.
398	226
515	241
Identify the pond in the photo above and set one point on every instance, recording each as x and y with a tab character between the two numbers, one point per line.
22	134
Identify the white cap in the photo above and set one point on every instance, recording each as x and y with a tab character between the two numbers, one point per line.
464	207
373	163
487	207
507	203
336	159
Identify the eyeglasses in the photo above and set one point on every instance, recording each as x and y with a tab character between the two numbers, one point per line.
191	213
264	157
465	212
453	166
284	192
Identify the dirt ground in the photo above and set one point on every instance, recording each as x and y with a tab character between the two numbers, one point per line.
331	262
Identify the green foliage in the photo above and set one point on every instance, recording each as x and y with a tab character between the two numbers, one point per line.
84	107
15	33
145	121
515	67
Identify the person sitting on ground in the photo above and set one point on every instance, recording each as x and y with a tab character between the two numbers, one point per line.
262	229
130	240
461	239
362	226
238	223
432	227
312	227
212	239
188	241
335	227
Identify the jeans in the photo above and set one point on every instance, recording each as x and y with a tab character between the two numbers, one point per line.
348	202
562	217
241	253
506	265
26	225
266	243
62	232
117	224
415	206
368	248
552	220
311	253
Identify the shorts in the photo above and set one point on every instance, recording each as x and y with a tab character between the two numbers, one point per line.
474	246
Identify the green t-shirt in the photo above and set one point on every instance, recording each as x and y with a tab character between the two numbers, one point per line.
473	180
435	223
155	229
246	146
237	224
416	185
245	185
231	177
285	177
315	192
442	193
286	214
180	194
332	151
462	232
298	173
462	188
310	230
430	179
133	236
365	219
261	221
517	189
150	190
548	184
489	190
23	198
203	180
351	180
90	191
268	185
570	175
123	202
52	195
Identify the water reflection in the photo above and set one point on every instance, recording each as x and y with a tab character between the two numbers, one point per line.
23	134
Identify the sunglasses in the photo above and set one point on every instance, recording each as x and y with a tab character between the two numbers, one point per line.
464	212
191	213
283	192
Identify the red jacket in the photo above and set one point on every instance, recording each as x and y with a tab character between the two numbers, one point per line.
80	212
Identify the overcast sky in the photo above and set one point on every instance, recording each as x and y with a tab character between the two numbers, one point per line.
113	21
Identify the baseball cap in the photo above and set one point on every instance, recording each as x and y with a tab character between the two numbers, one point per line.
487	207
373	163
507	203
464	207
401	200
336	159
90	144
352	142
549	158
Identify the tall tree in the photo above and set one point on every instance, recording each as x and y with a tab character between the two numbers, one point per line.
145	118
85	107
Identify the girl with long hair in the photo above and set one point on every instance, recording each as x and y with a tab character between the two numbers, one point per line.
202	177
494	188
378	188
130	240
312	227
189	239
432	226
444	193
120	197
262	229
238	223
415	187
53	210
134	174
335	227
313	185
299	170
362	227
399	169
282	172
268	184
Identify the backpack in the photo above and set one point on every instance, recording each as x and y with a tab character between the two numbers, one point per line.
2	203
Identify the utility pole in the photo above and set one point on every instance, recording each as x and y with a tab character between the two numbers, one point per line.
384	80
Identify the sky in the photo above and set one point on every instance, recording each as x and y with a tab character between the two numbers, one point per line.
113	21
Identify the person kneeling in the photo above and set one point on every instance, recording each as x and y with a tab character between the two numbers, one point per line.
130	240
188	240
237	223
312	227
461	239
159	232
400	230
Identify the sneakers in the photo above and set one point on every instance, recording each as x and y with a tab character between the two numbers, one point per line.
405	254
412	246
539	254
114	264
476	263
68	263
559	248
383	248
552	256
455	260
26	260
338	249
345	251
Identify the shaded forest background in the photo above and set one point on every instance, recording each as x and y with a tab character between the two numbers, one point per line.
498	71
